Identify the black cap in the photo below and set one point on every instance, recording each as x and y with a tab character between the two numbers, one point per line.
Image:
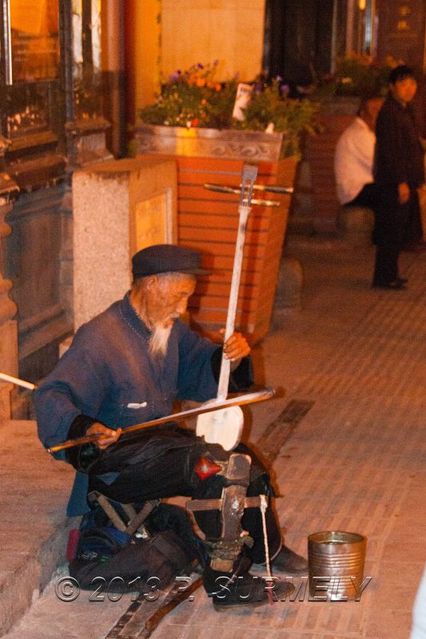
166	258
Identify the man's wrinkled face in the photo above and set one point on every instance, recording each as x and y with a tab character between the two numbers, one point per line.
404	90
167	298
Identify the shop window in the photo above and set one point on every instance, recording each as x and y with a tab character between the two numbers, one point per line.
35	40
30	68
86	50
50	68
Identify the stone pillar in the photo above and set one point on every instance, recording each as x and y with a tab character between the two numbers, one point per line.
8	326
119	207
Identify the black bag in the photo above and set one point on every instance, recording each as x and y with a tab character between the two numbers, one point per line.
109	558
142	565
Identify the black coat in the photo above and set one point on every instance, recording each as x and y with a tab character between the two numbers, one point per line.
399	152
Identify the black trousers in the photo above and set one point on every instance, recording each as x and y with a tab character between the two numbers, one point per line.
368	196
162	465
397	225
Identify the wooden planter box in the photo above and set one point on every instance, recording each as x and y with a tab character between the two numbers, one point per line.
208	221
224	143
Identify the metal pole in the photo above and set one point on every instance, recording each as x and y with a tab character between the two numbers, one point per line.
249	176
7	36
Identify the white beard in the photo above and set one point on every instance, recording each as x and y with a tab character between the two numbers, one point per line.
159	340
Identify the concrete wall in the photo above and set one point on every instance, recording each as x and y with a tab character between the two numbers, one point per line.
168	35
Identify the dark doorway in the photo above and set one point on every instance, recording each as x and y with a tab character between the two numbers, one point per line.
302	38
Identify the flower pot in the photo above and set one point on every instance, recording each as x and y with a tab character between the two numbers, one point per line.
224	143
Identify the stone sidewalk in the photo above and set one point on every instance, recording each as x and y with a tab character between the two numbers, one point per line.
348	451
33	526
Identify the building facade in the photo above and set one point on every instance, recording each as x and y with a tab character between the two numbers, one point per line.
61	88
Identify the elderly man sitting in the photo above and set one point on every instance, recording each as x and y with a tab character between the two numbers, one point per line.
128	365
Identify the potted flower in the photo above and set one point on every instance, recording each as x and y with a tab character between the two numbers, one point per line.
355	76
269	109
195	115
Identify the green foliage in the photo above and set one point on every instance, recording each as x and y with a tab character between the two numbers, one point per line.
270	105
193	98
357	75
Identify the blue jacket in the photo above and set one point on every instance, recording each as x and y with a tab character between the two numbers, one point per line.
108	374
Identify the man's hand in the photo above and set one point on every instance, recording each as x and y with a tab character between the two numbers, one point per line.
236	347
109	435
403	193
